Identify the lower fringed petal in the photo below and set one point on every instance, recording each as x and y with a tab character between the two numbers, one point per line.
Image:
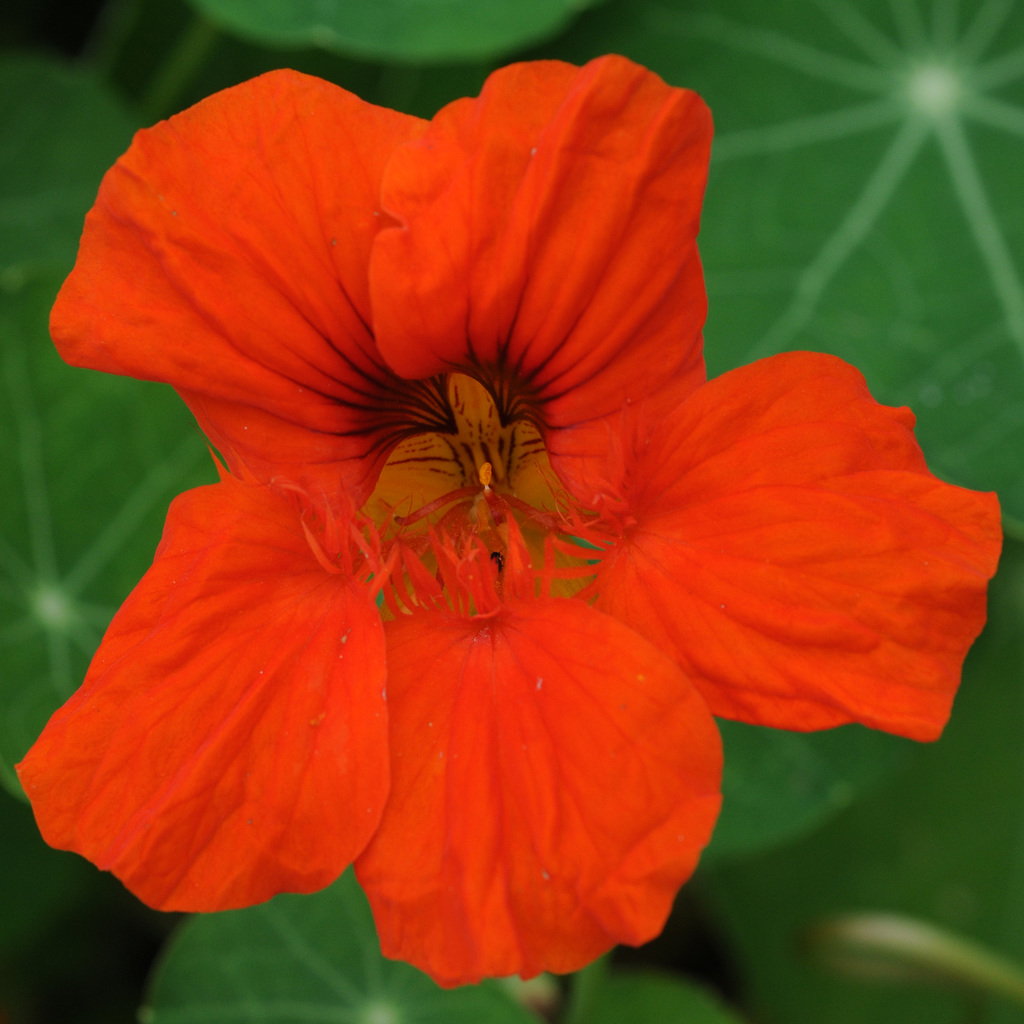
555	778
230	739
793	553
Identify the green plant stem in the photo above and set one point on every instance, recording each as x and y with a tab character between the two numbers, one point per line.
585	986
897	948
178	69
1013	528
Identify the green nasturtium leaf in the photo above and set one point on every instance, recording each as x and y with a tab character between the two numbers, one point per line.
647	997
864	197
91	462
59	132
778	785
306	958
417	30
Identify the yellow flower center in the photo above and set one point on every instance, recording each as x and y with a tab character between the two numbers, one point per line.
475	508
425	468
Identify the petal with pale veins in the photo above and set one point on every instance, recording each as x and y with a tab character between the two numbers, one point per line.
793	553
230	739
554	780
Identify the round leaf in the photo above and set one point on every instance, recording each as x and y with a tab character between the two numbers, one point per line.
645	997
779	785
59	132
864	198
306	958
422	30
92	462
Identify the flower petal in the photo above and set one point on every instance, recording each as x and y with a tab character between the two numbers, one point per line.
230	739
227	255
797	558
547	235
554	780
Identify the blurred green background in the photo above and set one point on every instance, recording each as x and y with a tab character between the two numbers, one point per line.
866	198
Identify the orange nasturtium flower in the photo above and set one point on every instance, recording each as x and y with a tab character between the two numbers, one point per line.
488	550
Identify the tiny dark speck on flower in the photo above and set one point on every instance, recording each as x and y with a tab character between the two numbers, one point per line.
334	241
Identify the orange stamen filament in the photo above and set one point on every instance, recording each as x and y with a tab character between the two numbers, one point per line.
436	505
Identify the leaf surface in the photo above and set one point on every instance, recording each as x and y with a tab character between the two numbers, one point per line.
314	959
396	29
864	198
